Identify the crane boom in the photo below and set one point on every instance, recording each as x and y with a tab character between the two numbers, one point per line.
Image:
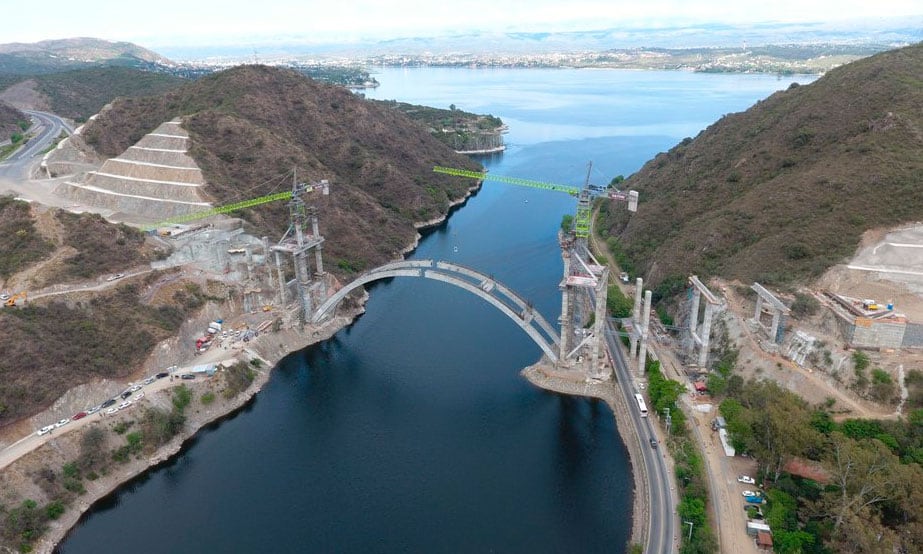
483	175
584	195
227	208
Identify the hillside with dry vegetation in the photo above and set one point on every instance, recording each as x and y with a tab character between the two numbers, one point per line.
52	346
250	124
784	190
12	121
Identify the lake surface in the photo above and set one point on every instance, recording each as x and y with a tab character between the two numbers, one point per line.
411	430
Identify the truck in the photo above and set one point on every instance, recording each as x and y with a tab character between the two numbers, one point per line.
216	324
754	499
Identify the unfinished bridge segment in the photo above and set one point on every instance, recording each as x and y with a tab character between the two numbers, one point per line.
484	286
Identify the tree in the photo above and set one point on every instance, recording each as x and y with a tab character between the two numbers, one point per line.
865	473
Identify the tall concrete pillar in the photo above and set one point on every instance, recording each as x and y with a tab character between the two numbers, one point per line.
706	331
774	330
567	312
636	311
318	258
599	324
281	278
645	321
694	313
249	258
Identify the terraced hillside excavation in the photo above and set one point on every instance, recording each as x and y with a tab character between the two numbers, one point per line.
152	180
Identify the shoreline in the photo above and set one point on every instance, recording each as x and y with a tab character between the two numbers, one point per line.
605	391
268	347
271	348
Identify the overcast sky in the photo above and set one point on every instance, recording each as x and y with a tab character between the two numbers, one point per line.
204	22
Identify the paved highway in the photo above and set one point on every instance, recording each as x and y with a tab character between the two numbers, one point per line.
662	523
49	127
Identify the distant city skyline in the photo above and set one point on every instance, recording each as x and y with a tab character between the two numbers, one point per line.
234	22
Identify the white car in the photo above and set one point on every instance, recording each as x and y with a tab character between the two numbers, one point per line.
44	430
751	493
62	423
150	380
137	397
112	410
125	404
4	296
134	388
746	479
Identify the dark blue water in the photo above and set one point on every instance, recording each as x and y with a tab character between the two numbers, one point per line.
411	430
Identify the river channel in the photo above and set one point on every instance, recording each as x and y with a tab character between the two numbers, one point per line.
411	430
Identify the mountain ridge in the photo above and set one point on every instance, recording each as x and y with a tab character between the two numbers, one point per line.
784	190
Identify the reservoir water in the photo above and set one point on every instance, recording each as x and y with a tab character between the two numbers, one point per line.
411	430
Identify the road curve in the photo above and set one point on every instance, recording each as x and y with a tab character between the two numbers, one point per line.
49	127
662	523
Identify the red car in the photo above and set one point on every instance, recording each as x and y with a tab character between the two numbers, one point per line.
79	415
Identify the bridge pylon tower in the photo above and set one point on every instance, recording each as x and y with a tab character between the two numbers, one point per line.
302	236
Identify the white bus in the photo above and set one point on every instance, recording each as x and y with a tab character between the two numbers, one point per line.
642	407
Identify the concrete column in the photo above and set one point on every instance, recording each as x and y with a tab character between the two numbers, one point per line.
304	286
281	279
776	317
645	320
694	313
249	257
318	259
567	315
636	312
759	308
706	331
599	325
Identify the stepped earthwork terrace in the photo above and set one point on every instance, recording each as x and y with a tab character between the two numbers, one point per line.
153	180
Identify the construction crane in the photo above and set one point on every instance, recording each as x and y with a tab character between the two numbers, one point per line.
582	272
227	208
584	195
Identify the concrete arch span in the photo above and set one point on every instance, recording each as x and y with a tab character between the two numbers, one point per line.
495	293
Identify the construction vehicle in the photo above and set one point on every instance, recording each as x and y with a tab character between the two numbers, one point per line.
584	195
869	304
11	301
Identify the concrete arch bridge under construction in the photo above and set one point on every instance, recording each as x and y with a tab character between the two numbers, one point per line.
500	296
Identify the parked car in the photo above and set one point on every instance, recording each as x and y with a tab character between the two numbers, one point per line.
125	404
162	374
79	415
137	397
187	376
134	388
125	394
107	403
150	380
62	423
751	493
746	479
94	409
112	410
44	430
5	297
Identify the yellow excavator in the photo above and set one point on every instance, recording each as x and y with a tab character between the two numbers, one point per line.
11	301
